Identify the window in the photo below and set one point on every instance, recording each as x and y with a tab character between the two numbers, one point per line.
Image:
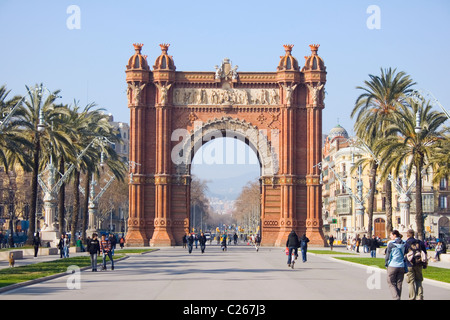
443	184
442	202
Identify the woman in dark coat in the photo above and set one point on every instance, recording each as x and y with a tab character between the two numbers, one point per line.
304	246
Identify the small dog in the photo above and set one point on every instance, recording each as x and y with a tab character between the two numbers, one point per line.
11	260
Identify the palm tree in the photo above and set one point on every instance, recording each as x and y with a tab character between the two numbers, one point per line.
373	163
91	124
13	146
441	160
381	98
35	110
412	143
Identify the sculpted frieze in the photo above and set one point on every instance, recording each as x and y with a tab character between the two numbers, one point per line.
193	96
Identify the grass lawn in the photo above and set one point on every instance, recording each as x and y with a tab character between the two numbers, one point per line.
9	276
330	252
434	273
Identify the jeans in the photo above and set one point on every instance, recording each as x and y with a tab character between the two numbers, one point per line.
290	253
109	254
190	246
373	253
66	251
202	247
304	255
94	261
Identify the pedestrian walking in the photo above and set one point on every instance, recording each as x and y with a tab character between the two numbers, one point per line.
357	243
224	242
202	240
257	242
36	244
304	246
61	246
66	246
438	250
331	242
292	244
94	250
395	264
79	244
184	241
365	244
373	245
235	238
416	261
196	240
113	240
190	242
105	248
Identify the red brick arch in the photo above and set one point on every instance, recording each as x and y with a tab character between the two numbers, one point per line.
278	114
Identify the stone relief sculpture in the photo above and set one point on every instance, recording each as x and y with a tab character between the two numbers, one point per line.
163	91
135	91
315	90
289	90
186	96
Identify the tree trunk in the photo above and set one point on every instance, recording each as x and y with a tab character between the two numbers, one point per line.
373	187
34	192
419	212
86	205
61	200
388	206
76	206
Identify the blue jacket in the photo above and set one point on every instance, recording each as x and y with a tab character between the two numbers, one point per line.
395	254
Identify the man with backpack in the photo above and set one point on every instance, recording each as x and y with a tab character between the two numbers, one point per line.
416	261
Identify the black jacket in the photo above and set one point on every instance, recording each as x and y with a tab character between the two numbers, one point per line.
304	242
292	240
202	239
94	246
373	244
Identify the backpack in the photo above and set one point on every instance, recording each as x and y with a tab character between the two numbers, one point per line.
416	256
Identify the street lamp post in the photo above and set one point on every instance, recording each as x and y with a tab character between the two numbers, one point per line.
93	202
51	190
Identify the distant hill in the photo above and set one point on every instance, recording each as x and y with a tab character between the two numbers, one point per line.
226	181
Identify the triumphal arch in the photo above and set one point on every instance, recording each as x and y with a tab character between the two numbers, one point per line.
172	113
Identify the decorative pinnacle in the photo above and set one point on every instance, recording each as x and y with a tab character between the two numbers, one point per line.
138	47
164	47
288	48
314	48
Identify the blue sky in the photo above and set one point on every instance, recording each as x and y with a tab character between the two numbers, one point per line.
88	64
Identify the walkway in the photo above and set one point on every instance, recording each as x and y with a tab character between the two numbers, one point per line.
238	274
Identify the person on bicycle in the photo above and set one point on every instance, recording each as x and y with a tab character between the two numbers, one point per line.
292	244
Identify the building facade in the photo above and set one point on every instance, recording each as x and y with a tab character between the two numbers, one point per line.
340	208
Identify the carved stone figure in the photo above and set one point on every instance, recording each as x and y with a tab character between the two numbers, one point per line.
315	90
163	90
289	90
135	90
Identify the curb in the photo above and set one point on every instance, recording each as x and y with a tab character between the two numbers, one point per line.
425	280
47	278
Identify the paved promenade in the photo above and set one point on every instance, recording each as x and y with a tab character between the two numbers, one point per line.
241	273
